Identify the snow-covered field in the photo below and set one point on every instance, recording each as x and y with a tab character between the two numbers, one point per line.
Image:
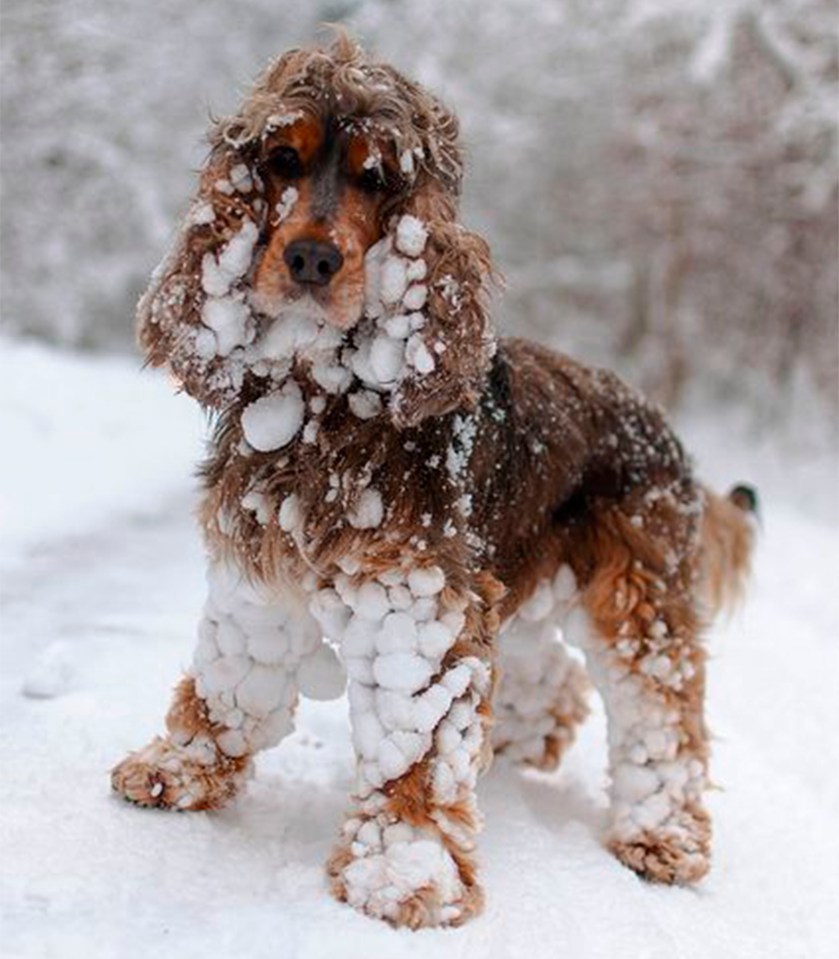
102	583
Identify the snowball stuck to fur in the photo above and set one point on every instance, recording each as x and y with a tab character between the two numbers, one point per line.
228	318
369	510
402	671
331	376
371	601
240	178
272	421
415	298
418	356
261	691
426	582
411	235
206	345
365	404
233	262
394	279
398	633
201	213
288	198
386	357
290	516
398	326
256	502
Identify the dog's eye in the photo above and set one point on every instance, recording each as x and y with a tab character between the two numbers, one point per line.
373	181
284	162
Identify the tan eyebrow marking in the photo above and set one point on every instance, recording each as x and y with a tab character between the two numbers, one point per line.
304	135
362	154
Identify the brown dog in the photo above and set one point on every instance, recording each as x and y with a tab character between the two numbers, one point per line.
435	501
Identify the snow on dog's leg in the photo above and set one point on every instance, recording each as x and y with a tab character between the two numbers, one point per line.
636	623
542	691
255	652
418	653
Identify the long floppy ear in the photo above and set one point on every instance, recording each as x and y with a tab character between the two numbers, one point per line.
456	333
455	344
194	317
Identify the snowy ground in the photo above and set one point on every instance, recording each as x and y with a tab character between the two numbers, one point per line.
101	586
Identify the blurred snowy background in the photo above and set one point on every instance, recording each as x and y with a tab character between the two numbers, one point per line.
658	179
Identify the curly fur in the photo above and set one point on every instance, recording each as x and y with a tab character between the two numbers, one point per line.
486	496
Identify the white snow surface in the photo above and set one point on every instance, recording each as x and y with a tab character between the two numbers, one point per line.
102	590
83	437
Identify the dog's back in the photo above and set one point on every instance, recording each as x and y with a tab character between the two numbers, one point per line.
563	441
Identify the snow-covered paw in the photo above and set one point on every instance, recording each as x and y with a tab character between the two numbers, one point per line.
403	875
536	729
183	777
680	855
535	751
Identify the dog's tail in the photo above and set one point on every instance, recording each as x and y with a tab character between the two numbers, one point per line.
729	526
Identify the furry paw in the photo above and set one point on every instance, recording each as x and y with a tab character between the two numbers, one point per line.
680	856
171	776
403	875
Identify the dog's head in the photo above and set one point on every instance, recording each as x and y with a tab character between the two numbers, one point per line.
323	243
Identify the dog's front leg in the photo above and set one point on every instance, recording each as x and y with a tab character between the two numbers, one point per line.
258	646
419	655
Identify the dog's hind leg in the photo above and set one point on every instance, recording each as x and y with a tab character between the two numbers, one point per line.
541	695
257	649
637	624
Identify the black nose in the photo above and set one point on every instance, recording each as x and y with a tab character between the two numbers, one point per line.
310	261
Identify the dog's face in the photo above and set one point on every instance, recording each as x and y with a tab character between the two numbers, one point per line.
326	186
322	248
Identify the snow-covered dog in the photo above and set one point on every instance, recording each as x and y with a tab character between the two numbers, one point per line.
389	480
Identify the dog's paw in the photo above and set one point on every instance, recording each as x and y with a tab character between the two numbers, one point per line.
403	875
681	855
182	777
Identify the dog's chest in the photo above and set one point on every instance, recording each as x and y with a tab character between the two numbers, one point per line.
358	488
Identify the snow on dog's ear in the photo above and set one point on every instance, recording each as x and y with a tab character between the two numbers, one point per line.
194	317
450	348
451	351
